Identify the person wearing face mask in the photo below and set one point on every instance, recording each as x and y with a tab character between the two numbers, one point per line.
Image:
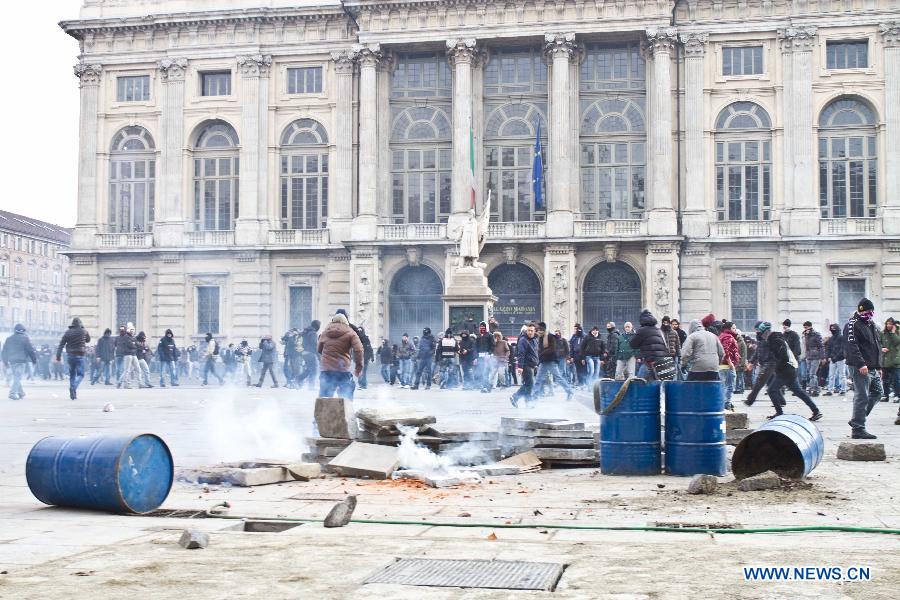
593	349
834	354
626	355
424	358
168	354
467	354
484	345
815	354
863	355
613	338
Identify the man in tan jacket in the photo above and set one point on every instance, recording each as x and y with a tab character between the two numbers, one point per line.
336	346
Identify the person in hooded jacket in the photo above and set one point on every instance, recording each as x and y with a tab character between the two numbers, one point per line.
74	341
105	355
528	359
424	360
341	351
167	353
548	362
129	358
143	357
784	365
812	358
730	362
626	355
467	355
445	354
210	355
268	355
16	355
593	350
309	338
863	352
405	353
837	368
577	359
650	344
890	360
386	358
701	353
484	348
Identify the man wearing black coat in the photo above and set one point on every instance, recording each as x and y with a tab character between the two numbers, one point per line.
548	361
17	353
75	341
167	353
863	354
104	354
651	343
836	383
309	339
784	365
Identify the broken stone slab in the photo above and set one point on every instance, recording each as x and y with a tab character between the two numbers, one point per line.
588	454
366	460
381	418
861	451
466	455
454	435
736	420
556	433
495	470
733	437
304	471
191	539
763	481
341	513
516	423
335	418
544	442
525	461
318	459
702	484
431	480
329	441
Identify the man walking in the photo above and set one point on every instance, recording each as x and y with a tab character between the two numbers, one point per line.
17	353
243	354
405	353
548	361
336	345
128	346
863	355
702	353
484	349
210	354
815	354
626	356
527	354
834	354
105	354
309	338
167	353
447	351
424	357
784	364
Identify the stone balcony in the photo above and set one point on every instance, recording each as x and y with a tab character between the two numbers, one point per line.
124	240
850	226
745	229
298	237
412	231
516	230
209	238
610	227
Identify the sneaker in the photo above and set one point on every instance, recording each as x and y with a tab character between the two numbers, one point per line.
72	395
885	399
414	387
770	417
729	406
827	393
863	435
515	402
816	416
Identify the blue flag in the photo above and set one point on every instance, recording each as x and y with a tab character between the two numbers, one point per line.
537	172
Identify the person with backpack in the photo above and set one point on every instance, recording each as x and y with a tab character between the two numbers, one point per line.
783	364
167	353
210	355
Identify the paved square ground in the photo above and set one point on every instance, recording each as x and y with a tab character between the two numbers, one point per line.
49	552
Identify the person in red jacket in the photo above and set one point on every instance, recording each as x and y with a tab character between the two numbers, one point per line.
730	361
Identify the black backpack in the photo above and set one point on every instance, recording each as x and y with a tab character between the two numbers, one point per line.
216	349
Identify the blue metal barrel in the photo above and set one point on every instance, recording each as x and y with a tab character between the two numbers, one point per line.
127	474
790	445
695	428
629	434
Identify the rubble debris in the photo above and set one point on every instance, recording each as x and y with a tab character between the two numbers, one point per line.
435	480
304	471
526	461
379	420
736	421
554	441
764	481
702	484
857	451
335	418
733	437
250	473
341	513
365	460
191	539
492	537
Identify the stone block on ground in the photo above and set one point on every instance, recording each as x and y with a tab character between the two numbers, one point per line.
702	484
341	513
736	420
385	419
516	423
304	471
554	433
861	451
545	442
191	539
733	437
526	461
365	460
335	418
459	435
586	454
763	481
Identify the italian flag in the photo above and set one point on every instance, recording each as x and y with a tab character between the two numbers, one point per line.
472	165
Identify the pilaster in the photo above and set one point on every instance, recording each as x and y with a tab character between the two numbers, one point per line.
253	220
462	54
559	49
661	214
169	227
559	288
661	286
88	214
340	180
890	36
366	221
695	277
365	290
697	215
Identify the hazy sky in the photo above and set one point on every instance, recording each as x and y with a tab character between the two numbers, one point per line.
39	111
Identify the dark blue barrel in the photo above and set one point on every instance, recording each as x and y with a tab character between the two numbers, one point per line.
695	428
790	445
127	474
629	434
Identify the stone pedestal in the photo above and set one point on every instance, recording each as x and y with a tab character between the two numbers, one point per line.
468	299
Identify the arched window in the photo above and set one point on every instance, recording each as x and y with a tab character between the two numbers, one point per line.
848	166
132	181
743	163
613	158
304	175
510	133
216	176
421	165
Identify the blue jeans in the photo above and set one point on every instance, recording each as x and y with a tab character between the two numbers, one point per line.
76	371
405	371
423	372
592	367
727	378
892	381
812	374
167	366
866	394
448	368
386	373
837	377
209	366
336	381
485	361
739	380
552	368
17	370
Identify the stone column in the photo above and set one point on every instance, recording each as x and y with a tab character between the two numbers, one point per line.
559	289
786	172
253	220
366	221
697	215
802	216
462	55
661	214
340	179
890	35
87	226
559	49
170	213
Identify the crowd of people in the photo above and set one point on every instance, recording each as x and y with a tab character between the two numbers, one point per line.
860	356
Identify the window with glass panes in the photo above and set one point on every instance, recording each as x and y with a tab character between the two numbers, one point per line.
304	176
133	88
853	54
300	307
743	163
848	166
515	71
742	60
421	139
208	309
216	178
132	181
606	67
126	305
215	83
849	293
304	80
745	304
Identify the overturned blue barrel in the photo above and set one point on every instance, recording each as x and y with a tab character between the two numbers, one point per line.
695	428
789	445
124	474
629	430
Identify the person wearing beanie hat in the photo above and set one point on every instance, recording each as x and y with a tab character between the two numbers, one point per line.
862	350
781	372
167	353
446	354
792	338
708	320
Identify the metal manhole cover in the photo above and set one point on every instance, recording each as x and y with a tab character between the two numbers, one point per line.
491	574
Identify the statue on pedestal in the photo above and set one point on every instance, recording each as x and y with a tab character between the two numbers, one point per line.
472	236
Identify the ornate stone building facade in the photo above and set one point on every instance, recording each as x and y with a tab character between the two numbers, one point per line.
246	168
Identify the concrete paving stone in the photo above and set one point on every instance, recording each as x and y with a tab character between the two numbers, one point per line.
861	451
737	420
335	418
366	460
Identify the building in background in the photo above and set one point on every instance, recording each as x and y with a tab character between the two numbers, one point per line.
34	277
247	168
